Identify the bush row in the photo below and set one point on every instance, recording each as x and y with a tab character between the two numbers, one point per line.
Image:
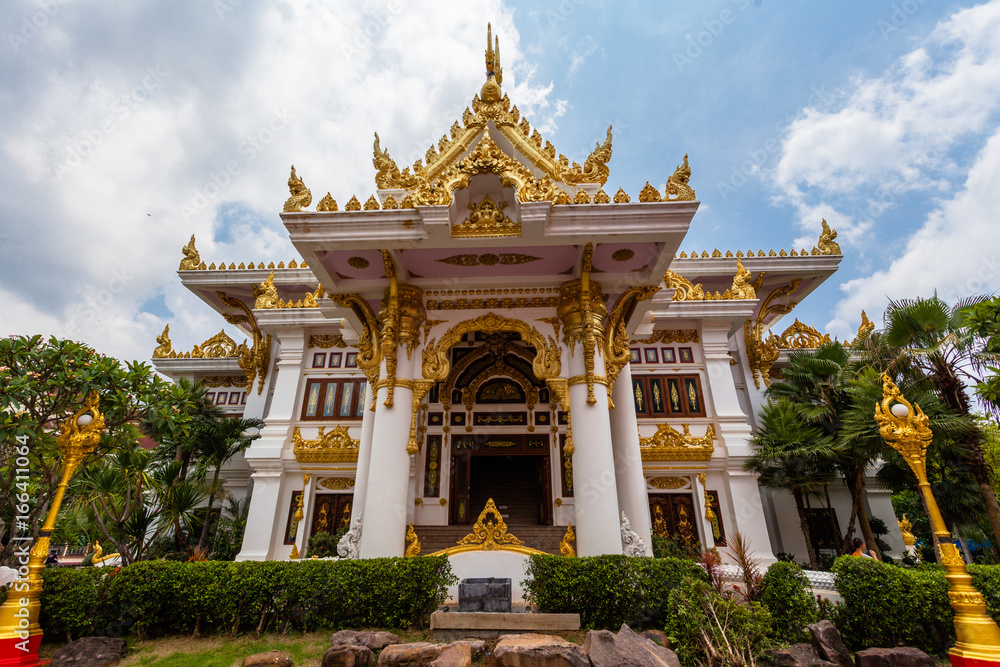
608	590
165	597
885	605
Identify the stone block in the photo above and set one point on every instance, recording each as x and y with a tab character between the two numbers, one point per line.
829	645
417	654
269	659
376	641
348	655
90	652
450	626
486	595
626	649
538	651
799	655
900	656
457	654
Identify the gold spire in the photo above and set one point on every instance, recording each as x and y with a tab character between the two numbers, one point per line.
493	56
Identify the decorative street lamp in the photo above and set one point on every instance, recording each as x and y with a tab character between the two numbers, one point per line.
906	428
20	634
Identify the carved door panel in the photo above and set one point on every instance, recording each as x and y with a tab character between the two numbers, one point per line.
332	511
461	484
674	514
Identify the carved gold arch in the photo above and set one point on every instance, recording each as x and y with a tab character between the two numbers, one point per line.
546	364
499	369
469	359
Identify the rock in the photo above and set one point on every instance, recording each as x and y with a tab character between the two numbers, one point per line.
658	636
416	654
269	659
799	655
532	650
828	644
90	652
455	655
607	649
901	656
476	645
376	641
348	655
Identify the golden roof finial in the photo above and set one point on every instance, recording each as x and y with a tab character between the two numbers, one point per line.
493	56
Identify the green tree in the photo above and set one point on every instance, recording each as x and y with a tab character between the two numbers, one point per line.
42	382
792	454
983	321
935	341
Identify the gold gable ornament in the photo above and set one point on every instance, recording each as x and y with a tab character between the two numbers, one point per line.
488	534
667	444
336	446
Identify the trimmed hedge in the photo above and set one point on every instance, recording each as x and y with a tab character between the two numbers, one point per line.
168	597
608	590
785	592
885	605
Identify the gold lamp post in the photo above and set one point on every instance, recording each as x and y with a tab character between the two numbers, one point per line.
20	634
906	428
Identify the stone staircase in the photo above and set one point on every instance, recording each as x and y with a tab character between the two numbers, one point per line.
543	538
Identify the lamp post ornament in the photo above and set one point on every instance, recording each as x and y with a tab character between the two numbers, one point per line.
19	629
906	428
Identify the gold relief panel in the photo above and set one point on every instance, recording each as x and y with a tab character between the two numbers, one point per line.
669	482
334	446
337	483
486	220
667	444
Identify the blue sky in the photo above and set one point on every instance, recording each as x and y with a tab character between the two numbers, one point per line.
883	117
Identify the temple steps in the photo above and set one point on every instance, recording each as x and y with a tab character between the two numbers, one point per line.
543	538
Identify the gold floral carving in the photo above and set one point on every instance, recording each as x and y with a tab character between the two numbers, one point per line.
412	543
237	381
369	340
254	361
493	302
546	363
420	389
489	259
669	482
554	321
668	444
582	310
801	336
497	352
328	447
489	533
761	352
353	204
677	184
164	347
192	260
326	204
581	197
671	336
616	340
357	263
621	197
486	220
649	193
601	197
325	341
623	254
742	285
300	195
337	483
219	345
372	204
826	244
566	547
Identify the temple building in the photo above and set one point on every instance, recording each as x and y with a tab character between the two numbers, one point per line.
493	356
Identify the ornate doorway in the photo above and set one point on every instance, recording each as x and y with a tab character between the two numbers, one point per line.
331	512
673	514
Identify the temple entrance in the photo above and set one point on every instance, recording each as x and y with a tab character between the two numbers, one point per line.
505	469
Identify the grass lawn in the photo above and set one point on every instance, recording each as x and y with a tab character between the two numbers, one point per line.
219	651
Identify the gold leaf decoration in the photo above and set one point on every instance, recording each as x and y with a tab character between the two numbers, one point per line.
372	204
358	262
335	446
668	444
327	203
649	193
489	259
581	197
621	197
353	204
623	254
601	197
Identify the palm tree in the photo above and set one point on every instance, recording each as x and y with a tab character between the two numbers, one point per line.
792	454
214	448
933	341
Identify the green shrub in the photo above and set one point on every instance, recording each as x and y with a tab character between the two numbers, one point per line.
986	578
788	597
675	546
321	545
70	600
168	597
885	605
706	628
607	590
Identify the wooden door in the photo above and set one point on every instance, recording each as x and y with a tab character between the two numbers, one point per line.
332	511
674	514
461	485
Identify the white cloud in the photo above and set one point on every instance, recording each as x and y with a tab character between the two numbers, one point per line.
125	132
895	133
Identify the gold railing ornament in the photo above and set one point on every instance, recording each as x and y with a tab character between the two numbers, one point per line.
489	533
412	543
79	435
906	428
569	539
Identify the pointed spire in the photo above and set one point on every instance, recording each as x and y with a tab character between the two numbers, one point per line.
493	68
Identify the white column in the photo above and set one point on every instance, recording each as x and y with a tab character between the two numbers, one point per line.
384	521
364	458
598	519
630	480
265	455
302	535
